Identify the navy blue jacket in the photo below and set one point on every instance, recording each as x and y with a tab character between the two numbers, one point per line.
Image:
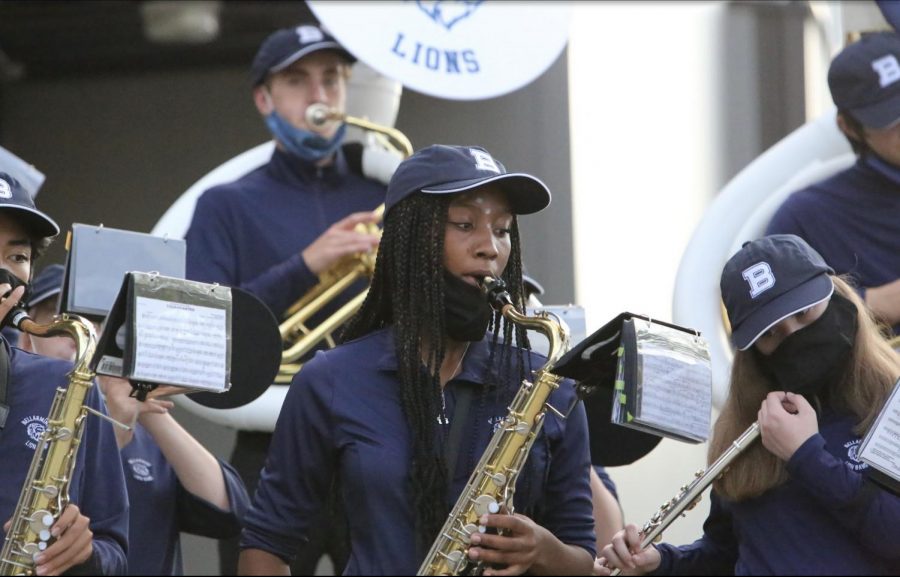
97	487
161	509
343	416
249	233
827	519
852	219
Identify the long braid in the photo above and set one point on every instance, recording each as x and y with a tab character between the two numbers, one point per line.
407	291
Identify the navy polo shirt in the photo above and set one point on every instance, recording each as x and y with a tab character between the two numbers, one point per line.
343	416
161	508
97	486
852	219
249	233
820	522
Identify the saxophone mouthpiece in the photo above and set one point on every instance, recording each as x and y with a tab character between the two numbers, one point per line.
495	291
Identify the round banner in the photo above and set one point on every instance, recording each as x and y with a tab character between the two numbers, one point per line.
460	50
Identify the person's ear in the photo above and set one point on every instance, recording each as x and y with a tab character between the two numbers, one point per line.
263	100
847	129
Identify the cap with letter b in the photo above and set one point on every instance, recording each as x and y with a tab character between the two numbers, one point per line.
768	280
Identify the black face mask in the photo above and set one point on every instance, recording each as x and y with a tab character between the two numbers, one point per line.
466	310
813	360
15	282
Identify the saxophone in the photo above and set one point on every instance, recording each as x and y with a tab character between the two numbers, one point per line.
493	481
689	495
46	490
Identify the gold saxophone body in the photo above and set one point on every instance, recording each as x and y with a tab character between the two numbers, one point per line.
299	339
493	481
689	495
46	490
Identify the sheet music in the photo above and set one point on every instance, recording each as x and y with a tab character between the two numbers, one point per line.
881	447
180	344
675	380
676	394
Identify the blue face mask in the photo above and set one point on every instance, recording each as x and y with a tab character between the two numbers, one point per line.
303	144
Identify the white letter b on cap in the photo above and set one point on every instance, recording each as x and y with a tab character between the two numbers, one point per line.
888	70
483	161
760	278
308	34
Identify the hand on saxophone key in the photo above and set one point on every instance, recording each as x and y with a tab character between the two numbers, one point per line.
516	549
341	239
625	554
73	545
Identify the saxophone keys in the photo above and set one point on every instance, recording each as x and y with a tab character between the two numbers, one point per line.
456	560
467	532
486	504
40	521
499	479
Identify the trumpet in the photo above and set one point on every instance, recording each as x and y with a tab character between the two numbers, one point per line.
298	338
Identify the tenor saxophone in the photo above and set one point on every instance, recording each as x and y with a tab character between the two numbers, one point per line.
46	490
492	483
689	495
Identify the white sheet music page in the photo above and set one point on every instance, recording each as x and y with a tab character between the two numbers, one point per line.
881	447
675	380
180	344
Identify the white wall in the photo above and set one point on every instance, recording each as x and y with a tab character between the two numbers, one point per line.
643	109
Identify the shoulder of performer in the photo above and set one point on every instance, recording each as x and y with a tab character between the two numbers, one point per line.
30	368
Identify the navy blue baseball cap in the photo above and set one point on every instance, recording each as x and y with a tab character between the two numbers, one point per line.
446	169
288	45
14	196
768	280
46	284
864	79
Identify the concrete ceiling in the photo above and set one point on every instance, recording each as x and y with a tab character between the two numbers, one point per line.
52	39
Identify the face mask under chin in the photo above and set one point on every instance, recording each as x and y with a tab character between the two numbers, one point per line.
815	359
467	313
304	144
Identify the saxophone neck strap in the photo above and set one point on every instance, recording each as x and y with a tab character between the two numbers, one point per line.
4	382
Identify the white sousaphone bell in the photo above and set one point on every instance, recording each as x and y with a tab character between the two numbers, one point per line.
369	95
740	213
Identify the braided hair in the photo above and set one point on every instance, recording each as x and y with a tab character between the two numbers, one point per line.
407	292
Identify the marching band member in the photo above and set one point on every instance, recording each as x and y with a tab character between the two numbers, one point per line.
91	533
851	218
274	230
174	484
812	368
375	411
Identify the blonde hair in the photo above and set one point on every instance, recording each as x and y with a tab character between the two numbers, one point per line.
874	367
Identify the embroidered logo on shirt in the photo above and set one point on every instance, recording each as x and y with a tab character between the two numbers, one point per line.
34	428
141	469
853	456
496	422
